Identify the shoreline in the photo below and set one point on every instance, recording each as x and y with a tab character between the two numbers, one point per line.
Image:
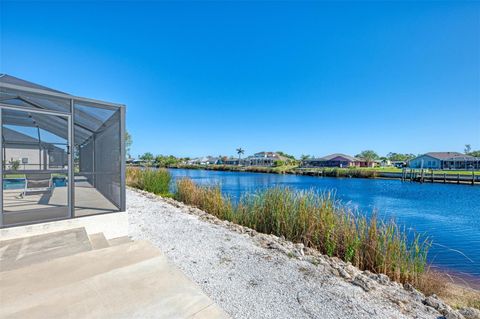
465	280
230	270
459	179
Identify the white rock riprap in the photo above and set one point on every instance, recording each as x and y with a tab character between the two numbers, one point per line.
252	275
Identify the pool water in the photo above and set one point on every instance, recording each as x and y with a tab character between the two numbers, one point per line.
19	183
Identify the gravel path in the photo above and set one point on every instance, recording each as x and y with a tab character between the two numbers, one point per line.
250	281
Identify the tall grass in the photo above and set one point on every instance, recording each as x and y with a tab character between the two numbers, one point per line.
293	169
348	172
156	181
319	221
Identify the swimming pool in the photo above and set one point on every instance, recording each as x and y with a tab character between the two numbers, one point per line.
19	183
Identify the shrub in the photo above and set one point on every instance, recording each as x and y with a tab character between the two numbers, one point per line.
15	165
156	181
349	172
279	163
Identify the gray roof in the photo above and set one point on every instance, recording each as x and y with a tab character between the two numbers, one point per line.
12	136
90	115
332	156
348	157
5	78
448	155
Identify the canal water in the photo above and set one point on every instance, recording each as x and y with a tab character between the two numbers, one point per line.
449	214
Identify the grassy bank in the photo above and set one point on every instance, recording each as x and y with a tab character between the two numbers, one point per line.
321	222
290	169
360	172
155	181
286	169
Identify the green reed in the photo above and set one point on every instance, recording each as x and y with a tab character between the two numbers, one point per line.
319	221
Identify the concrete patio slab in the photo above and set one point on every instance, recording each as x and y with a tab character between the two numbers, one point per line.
98	241
16	253
129	280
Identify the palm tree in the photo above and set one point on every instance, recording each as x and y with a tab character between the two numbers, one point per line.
304	157
468	148
240	151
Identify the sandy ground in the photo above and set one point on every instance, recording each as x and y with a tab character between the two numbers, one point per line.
249	280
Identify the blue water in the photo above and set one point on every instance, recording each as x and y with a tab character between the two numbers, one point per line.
449	214
19	183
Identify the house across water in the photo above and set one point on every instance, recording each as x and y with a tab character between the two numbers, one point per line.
263	159
207	160
445	160
337	160
233	161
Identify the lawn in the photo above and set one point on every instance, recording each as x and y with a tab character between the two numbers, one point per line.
399	170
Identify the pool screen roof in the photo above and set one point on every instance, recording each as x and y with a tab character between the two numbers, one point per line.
90	116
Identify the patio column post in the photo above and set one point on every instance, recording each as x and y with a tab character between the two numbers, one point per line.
1	168
123	200
71	150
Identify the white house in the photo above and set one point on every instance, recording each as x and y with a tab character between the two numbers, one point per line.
23	152
264	159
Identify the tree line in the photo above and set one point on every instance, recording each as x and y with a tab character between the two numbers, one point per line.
367	155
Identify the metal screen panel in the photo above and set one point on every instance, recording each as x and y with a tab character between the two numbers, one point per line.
107	160
98	160
85	159
94	177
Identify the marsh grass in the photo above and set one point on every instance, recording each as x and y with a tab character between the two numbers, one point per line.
319	221
348	172
292	169
156	181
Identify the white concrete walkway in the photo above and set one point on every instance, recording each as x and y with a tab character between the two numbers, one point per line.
62	275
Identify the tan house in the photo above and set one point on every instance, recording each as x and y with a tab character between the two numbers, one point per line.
337	160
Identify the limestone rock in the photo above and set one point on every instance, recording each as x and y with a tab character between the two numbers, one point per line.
364	282
470	313
443	308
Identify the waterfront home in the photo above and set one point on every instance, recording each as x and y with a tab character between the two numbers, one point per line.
193	161
445	160
136	162
264	159
384	162
206	160
337	160
399	164
233	161
390	163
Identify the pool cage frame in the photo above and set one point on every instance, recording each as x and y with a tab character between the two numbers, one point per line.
14	88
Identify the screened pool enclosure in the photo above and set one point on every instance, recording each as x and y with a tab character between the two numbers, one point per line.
62	156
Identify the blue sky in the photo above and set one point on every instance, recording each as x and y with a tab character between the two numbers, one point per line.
306	78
